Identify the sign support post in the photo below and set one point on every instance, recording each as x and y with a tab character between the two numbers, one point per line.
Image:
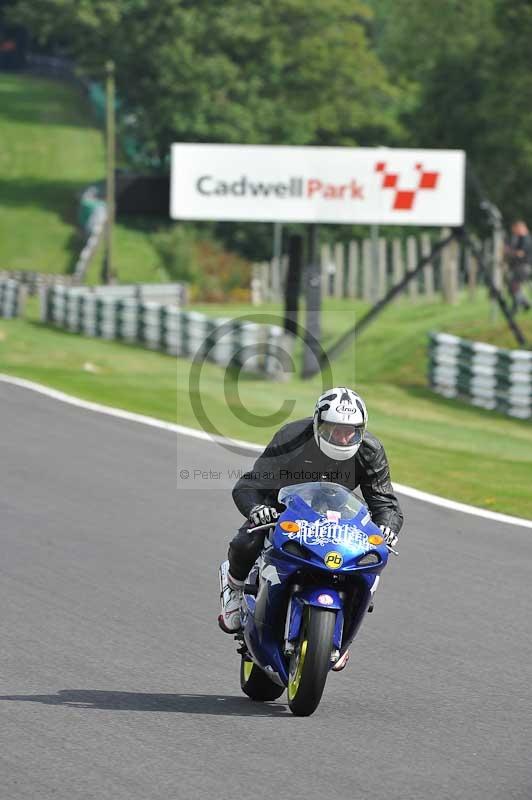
313	304
292	287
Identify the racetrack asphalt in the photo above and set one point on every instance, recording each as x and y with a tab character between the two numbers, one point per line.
115	681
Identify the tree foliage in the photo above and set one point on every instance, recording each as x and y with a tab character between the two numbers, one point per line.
275	71
470	79
422	73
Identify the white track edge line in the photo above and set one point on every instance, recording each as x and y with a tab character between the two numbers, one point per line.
192	433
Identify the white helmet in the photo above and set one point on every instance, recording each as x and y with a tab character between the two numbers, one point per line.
340	420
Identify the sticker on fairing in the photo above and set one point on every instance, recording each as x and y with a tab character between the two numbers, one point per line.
333	560
324	532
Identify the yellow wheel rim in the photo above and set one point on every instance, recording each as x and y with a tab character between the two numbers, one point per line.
248	669
293	683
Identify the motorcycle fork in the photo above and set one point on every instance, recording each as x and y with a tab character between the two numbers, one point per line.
294	619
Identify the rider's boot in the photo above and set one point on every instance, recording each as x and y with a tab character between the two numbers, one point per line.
342	662
230	597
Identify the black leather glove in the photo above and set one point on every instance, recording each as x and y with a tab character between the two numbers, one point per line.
389	536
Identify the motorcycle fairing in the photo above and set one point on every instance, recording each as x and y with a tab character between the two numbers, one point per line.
264	617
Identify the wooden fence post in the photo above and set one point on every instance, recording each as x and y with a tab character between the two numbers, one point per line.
367	263
257	289
326	261
398	262
471	268
354	266
449	270
412	259
494	256
283	271
339	270
276	283
428	270
382	270
264	271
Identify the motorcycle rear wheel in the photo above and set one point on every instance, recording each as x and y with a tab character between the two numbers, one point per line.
310	663
256	684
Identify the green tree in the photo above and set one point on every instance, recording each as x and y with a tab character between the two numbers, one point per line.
507	140
175	247
275	71
469	84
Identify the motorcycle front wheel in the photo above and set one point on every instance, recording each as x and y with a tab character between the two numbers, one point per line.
256	684
310	663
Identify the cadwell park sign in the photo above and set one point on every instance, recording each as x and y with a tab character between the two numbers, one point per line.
317	184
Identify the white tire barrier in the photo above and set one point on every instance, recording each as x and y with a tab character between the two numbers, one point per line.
32	281
12	298
482	374
227	342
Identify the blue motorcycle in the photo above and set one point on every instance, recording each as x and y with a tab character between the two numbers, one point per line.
308	593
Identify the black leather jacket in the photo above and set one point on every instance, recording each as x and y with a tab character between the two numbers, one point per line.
294	457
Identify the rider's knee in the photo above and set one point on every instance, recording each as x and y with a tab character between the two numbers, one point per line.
244	549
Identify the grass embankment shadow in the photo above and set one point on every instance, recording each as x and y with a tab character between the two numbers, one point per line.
59	198
51	150
30	99
51	195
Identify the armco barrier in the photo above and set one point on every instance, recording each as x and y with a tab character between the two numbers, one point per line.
188	334
482	374
12	298
92	218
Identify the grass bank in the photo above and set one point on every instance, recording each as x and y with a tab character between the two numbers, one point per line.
52	148
438	445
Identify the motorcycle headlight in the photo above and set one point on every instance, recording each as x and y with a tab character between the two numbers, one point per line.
368	560
295	549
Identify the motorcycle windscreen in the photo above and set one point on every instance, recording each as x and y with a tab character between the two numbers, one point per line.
324	498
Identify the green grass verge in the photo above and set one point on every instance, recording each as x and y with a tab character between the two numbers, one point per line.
134	257
434	444
52	149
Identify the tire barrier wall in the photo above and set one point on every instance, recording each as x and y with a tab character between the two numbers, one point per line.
227	342
33	281
481	374
12	298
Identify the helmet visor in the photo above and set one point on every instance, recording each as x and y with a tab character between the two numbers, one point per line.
340	434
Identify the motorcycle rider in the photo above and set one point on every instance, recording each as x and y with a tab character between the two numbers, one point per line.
334	445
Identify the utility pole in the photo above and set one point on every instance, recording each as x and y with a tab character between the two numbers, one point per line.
107	270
